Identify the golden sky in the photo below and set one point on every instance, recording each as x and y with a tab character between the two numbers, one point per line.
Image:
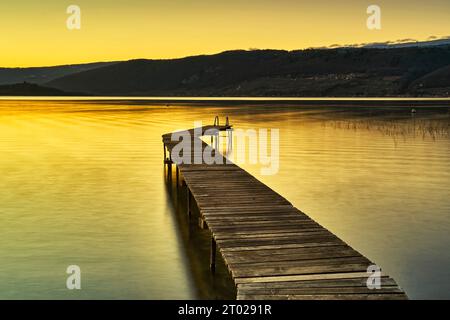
34	33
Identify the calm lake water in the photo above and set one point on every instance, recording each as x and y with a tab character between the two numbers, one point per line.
82	183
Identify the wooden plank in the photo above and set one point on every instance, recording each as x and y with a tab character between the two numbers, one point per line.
319	283
280	235
304	277
325	261
239	234
319	290
240	272
257	223
285	245
255	257
282	216
301	239
266	228
232	209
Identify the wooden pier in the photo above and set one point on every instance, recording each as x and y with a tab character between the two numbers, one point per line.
272	249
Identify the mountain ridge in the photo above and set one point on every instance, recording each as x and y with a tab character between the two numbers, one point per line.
41	75
32	89
300	73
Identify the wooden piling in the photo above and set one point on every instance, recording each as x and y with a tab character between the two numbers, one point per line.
212	257
188	201
165	154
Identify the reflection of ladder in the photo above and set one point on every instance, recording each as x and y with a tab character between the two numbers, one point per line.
229	131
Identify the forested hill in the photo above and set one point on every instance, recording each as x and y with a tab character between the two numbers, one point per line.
328	72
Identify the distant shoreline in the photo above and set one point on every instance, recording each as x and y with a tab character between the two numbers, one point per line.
294	101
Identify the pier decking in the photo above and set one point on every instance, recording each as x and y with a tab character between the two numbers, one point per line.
272	249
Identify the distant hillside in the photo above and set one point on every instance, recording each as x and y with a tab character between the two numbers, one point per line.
30	89
44	74
313	72
436	82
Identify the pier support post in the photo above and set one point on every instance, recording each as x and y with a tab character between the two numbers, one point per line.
169	168
201	223
212	257
177	176
165	154
188	201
